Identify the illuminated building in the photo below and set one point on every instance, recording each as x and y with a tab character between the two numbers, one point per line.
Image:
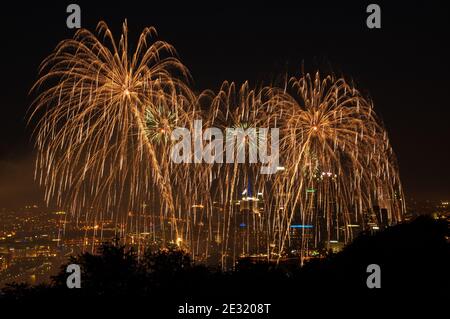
249	229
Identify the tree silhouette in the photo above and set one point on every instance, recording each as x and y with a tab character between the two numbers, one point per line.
414	258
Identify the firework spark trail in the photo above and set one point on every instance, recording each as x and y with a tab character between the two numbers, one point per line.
94	144
333	143
104	148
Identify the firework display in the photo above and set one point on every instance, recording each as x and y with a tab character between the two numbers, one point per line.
106	117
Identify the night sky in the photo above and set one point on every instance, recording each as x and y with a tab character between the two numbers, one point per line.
404	67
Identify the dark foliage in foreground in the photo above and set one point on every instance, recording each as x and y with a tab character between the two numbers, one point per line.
414	259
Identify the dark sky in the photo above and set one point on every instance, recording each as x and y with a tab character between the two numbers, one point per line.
404	67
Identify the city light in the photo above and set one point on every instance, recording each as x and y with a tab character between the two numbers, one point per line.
301	226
